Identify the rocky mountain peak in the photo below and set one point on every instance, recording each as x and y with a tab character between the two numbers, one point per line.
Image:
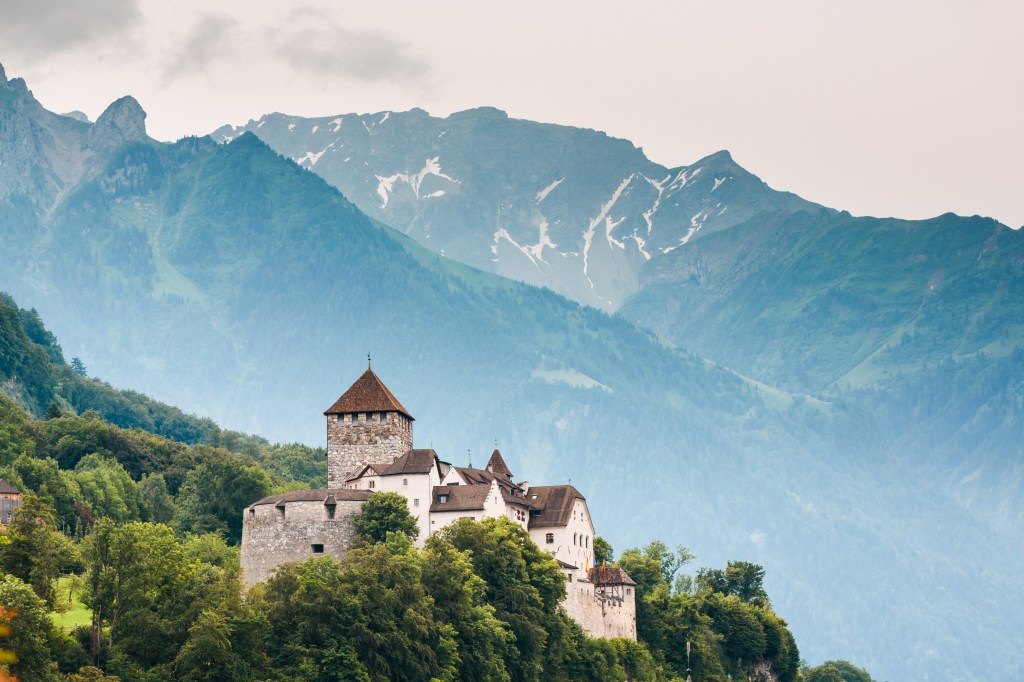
77	115
123	121
3	75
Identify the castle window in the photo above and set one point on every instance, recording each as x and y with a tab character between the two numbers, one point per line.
280	512
574	539
317	549
372	484
330	510
416	502
405	481
443	499
384	418
252	511
568	577
586	541
549	538
629	590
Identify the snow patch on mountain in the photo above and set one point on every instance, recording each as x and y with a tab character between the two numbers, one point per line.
534	252
684	176
312	157
648	215
718	182
386	184
543	194
572	377
545	241
588	236
337	125
696	222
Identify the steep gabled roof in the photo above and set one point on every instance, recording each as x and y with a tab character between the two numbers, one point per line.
496	465
479	476
609	575
367	394
412	462
364	470
8	489
555	503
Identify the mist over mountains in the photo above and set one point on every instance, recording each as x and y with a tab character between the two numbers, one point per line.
230	281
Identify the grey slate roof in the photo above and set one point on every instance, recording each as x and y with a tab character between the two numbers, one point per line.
8	489
323	495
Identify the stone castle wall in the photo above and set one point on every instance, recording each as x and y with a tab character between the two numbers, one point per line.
275	534
367	439
600	618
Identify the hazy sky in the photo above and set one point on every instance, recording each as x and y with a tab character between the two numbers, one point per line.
882	108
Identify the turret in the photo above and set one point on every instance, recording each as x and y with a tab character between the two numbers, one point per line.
366	425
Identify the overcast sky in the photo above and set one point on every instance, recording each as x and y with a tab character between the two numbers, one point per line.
881	108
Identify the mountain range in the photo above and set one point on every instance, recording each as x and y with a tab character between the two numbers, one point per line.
232	282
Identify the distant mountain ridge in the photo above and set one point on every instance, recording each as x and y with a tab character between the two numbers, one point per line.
229	281
567	208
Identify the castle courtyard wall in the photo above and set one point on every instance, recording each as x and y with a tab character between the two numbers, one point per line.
271	538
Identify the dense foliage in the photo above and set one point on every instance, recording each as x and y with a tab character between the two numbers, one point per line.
148	527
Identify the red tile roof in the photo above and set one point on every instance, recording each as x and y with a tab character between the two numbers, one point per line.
496	465
367	394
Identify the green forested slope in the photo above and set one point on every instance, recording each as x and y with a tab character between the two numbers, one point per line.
230	281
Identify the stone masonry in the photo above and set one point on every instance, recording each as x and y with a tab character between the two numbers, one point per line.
370	447
377	438
296	526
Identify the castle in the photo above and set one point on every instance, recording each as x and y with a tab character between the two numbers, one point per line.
370	449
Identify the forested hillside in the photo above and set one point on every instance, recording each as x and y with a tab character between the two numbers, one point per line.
228	280
141	531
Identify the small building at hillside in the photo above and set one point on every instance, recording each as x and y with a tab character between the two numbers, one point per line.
370	449
10	499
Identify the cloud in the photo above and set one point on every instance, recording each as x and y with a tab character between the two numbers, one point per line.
209	39
40	28
759	538
314	43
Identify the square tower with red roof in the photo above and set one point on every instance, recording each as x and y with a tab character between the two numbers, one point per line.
366	425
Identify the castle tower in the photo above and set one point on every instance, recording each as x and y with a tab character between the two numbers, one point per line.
368	425
496	465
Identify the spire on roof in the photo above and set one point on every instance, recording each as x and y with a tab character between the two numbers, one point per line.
496	465
367	394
